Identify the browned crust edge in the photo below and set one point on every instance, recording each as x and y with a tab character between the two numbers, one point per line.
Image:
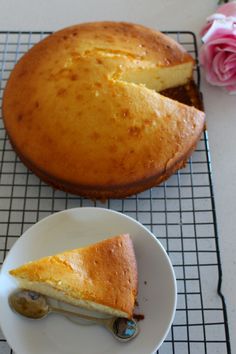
112	191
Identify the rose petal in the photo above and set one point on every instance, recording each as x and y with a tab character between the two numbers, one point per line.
219	66
222	71
224	36
231	66
228	48
226	43
220	75
224	12
219	28
205	28
231	60
228	9
216	16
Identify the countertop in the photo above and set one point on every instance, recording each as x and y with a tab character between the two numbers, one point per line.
220	107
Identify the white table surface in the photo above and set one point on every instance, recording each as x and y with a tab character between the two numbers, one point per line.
220	107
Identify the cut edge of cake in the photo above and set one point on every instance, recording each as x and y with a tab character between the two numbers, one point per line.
48	291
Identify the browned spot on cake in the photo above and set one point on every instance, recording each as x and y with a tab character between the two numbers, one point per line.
22	73
20	117
64	71
98	84
148	122
150	164
61	92
74	77
36	104
134	131
99	61
74	54
58	75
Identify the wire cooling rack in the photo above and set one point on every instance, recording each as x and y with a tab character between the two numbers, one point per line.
180	212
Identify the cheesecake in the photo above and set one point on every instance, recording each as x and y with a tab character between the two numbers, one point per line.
100	277
84	109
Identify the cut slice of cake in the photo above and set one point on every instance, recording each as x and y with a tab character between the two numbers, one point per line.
100	277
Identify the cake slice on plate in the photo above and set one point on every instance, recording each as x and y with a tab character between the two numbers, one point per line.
100	277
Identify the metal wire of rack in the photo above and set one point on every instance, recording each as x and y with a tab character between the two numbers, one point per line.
180	212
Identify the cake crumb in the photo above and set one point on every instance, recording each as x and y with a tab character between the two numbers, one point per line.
138	316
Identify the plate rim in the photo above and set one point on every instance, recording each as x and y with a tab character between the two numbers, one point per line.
26	234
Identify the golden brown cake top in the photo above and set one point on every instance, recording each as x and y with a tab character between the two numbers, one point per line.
104	273
71	115
128	39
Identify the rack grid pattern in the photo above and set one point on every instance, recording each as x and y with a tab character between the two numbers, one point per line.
180	212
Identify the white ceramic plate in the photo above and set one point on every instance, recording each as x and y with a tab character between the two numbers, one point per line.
57	335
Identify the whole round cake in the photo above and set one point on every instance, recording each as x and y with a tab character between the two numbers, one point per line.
83	111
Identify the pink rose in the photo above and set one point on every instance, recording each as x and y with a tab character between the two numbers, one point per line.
218	52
